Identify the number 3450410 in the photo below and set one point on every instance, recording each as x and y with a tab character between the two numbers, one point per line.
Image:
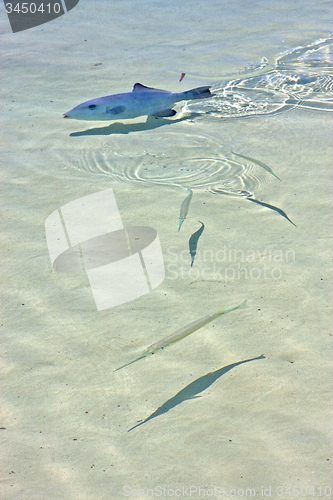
32	8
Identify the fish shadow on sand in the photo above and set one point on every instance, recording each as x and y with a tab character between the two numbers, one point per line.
191	390
126	128
193	242
271	207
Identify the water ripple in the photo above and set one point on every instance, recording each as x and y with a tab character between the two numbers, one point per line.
301	77
215	174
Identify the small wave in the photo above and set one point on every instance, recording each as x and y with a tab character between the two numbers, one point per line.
252	70
301	77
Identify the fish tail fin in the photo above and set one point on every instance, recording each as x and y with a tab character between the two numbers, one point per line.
198	93
243	305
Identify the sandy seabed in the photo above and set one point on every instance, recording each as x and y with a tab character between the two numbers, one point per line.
219	427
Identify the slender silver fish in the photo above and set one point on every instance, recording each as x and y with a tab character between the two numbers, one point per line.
181	334
184	209
258	162
141	101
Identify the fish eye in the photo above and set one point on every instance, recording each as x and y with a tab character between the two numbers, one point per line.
92	106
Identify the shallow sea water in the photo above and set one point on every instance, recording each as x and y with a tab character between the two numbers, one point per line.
212	416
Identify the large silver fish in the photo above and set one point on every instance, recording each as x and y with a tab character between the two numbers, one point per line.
141	101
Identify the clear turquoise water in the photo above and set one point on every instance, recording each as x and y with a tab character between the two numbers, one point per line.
259	424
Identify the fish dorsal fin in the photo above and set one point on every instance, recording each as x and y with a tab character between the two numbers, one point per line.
138	87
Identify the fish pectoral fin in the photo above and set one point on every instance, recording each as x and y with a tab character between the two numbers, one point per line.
116	111
164	113
138	87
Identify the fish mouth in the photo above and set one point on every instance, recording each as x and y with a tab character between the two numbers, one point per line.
66	116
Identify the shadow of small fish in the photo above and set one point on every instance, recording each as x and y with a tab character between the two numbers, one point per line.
193	242
276	209
192	390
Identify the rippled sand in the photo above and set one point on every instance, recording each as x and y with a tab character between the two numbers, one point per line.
241	404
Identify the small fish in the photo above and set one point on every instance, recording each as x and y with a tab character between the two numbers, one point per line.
260	163
182	76
184	209
193	242
181	334
279	210
141	101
